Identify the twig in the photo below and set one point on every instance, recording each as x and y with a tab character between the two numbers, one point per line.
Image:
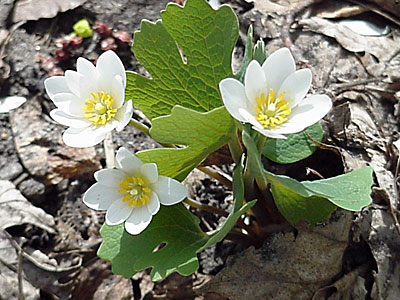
20	284
216	175
209	208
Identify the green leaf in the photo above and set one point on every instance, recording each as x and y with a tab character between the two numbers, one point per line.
200	133
316	200
248	55
82	28
351	191
296	203
296	147
253	155
173	225
206	37
260	54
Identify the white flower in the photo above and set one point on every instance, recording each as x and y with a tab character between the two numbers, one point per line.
90	101
132	192
272	97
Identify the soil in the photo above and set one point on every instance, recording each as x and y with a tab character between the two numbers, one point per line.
360	130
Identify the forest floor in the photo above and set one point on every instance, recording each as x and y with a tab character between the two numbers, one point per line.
49	238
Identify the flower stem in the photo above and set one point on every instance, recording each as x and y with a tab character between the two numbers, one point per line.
261	142
235	148
214	174
143	128
206	207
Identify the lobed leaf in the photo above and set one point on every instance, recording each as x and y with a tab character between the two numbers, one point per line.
190	79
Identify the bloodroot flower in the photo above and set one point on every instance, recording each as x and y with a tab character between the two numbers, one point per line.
272	98
90	101
132	192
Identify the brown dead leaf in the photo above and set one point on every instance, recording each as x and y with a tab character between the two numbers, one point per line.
27	10
383	48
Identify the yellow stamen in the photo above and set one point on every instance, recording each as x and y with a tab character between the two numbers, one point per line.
271	111
99	108
136	191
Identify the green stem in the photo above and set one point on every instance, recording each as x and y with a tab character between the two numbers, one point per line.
235	148
143	128
260	143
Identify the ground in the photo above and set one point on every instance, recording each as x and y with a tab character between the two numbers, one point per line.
49	238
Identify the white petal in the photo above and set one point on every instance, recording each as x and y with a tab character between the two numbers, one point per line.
83	137
109	65
254	82
153	206
250	118
277	67
69	103
110	177
169	191
269	133
55	85
296	86
100	197
234	97
89	79
118	212
138	220
124	115
118	91
11	102
149	172
131	165
73	78
307	113
121	154
68	120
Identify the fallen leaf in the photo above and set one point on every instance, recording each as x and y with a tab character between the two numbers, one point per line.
27	10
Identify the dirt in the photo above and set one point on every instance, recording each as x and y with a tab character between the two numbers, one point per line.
362	262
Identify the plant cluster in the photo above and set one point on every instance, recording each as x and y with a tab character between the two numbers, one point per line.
197	105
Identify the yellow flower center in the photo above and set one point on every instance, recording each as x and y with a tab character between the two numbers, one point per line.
99	108
271	111
136	191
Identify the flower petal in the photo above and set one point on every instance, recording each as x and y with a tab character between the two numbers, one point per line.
296	86
269	133
153	206
89	79
73	78
277	67
118	212
149	172
124	115
308	112
109	65
234	97
169	191
118	91
131	165
83	137
55	85
110	177
138	220
100	197
255	83
121	154
68	120
69	103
